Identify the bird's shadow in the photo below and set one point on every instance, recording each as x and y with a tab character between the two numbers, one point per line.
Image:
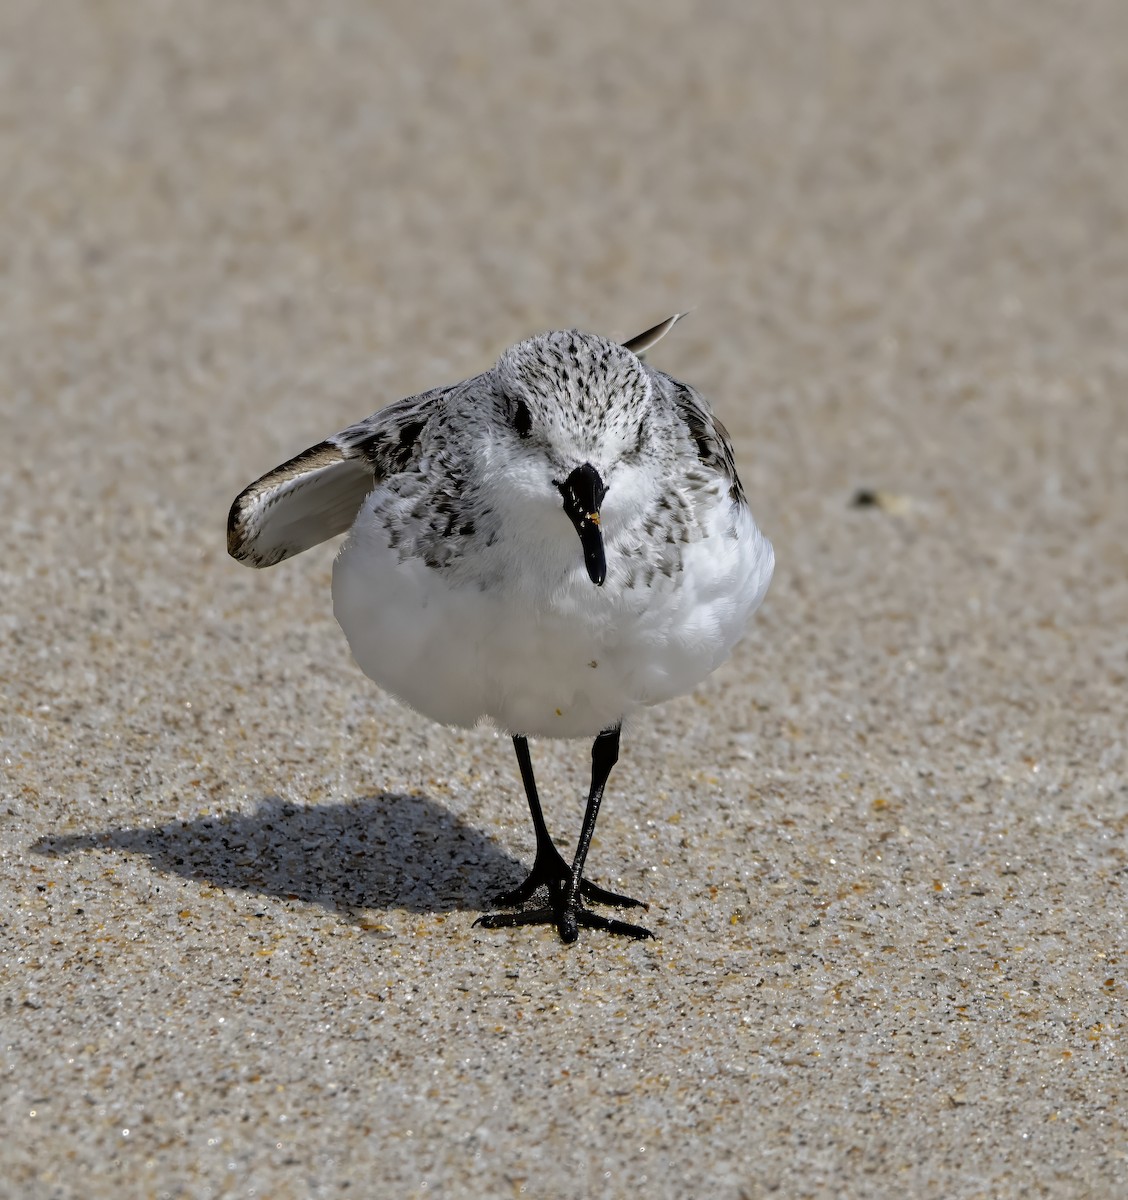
383	852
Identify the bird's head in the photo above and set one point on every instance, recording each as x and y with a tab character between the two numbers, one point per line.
570	430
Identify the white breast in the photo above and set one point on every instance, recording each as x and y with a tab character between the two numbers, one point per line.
546	653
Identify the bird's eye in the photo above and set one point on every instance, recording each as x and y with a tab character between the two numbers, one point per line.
522	421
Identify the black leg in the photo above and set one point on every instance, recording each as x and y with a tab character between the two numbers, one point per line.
565	909
549	868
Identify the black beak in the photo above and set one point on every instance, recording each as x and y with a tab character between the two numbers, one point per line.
583	493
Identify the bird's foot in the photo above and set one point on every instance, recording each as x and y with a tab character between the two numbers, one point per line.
551	871
568	917
565	907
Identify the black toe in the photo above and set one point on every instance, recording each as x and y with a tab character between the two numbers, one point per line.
568	917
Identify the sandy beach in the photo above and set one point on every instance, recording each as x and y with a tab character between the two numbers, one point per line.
884	846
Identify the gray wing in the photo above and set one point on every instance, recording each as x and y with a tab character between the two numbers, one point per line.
317	494
641	342
714	446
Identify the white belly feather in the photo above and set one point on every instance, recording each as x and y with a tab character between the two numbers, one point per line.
569	660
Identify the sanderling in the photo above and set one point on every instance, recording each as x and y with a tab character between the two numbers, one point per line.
549	547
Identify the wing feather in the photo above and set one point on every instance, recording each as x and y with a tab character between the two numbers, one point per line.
642	342
714	446
317	494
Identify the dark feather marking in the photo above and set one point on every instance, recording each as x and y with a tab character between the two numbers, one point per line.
714	446
410	432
